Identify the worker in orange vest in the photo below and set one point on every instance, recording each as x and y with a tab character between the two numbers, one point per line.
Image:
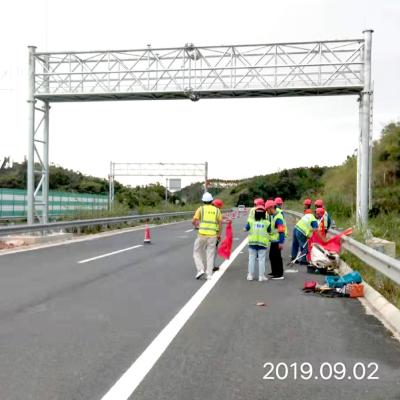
319	215
326	217
307	204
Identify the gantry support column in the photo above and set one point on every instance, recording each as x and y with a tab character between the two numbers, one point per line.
364	153
31	137
38	149
45	164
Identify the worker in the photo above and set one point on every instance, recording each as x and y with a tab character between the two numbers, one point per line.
302	231
257	202
279	204
326	217
319	214
307	204
258	242
209	220
277	237
219	204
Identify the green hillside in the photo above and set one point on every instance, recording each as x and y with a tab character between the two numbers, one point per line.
337	186
290	184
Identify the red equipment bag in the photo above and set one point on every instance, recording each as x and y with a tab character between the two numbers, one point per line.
310	285
355	289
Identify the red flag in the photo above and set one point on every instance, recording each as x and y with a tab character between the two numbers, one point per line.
225	247
333	244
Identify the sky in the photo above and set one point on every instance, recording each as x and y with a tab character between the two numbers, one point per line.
238	137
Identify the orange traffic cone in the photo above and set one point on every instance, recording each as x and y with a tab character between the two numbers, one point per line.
147	238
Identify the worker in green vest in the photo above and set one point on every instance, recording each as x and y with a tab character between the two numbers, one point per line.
257	202
208	219
277	236
302	231
258	242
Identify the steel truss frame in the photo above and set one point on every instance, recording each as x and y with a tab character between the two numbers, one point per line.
154	169
335	67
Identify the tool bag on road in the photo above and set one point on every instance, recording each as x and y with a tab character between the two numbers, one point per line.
310	285
340	281
355	289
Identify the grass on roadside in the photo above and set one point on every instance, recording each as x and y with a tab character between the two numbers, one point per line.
379	282
386	226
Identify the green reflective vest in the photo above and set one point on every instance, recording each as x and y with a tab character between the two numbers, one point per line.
326	220
274	234
251	214
258	234
209	217
304	225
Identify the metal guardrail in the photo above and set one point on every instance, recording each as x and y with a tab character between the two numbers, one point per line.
386	265
12	229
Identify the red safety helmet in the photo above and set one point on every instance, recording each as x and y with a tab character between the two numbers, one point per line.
259	201
307	202
319	211
218	203
279	200
269	204
319	203
260	207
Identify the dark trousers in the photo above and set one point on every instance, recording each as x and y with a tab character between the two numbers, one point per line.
299	243
275	257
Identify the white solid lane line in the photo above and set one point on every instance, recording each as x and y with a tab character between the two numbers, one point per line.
189	230
109	254
131	379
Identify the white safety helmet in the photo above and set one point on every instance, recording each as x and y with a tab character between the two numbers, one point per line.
207	197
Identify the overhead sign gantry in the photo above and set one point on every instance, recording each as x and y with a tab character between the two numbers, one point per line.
317	68
167	170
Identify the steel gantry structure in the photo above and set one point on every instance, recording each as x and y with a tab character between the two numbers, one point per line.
317	68
154	169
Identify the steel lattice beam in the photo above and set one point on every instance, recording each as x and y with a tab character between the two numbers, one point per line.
280	69
318	68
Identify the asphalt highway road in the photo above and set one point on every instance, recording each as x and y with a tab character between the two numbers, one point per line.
72	321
